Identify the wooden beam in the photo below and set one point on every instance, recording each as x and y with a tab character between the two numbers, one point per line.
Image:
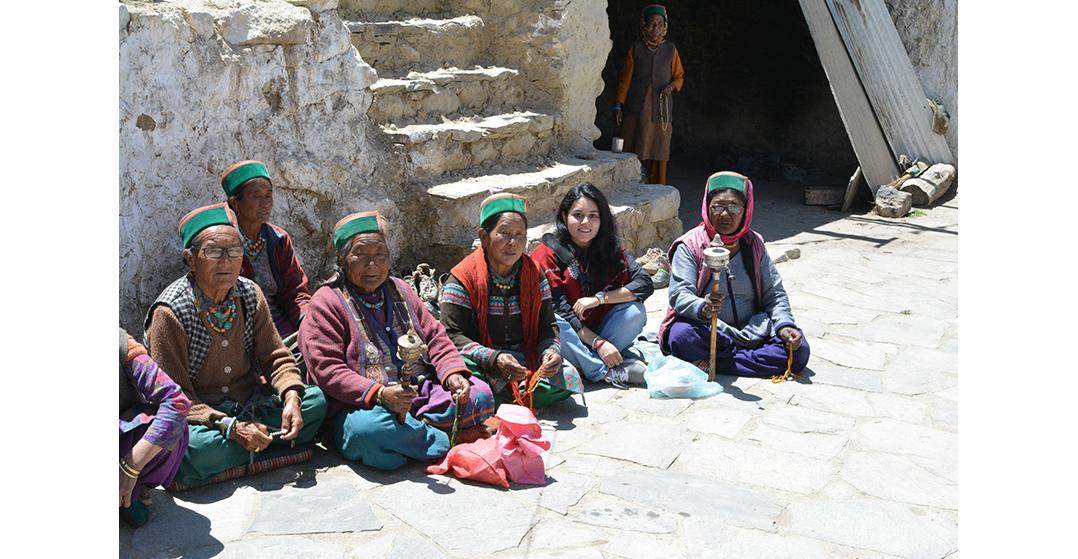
887	74
869	144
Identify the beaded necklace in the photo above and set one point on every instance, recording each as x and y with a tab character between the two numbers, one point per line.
219	315
253	249
504	284
376	305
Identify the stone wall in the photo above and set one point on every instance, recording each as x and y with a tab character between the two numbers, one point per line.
929	31
206	83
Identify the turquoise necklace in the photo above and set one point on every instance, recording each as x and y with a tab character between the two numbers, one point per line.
219	315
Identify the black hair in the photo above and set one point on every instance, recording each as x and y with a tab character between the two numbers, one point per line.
491	222
602	255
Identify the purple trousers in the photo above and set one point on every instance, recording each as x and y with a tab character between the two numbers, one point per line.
692	343
161	468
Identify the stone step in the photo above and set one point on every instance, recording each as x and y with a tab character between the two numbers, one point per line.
446	92
471	142
454	206
390	9
646	214
396	47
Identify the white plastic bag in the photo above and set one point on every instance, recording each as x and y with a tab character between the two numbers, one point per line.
670	377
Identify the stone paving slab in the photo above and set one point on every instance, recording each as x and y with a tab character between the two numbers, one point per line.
437	508
852	352
644	443
898	478
730	542
813	445
696	496
754	465
883	526
806	420
723	422
825	372
563	490
210	517
645	546
332	505
612	512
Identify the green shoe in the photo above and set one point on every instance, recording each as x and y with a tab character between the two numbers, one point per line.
136	515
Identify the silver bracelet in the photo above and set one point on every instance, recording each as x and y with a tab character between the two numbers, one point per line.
601	296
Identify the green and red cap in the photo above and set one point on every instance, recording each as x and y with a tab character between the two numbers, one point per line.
207	216
727	180
498	203
238	175
354	224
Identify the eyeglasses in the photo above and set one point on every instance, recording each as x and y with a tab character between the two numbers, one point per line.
734	209
217	253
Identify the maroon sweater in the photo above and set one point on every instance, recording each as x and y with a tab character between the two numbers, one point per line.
330	342
292	295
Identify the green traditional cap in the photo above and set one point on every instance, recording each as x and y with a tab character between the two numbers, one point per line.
242	172
498	203
197	220
727	180
351	225
653	9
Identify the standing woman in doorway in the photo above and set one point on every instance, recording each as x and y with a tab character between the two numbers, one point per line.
649	76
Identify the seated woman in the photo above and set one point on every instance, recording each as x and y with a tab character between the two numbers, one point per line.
349	340
212	331
268	256
755	324
584	257
153	428
496	307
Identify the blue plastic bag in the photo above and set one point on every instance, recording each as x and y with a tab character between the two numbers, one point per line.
670	377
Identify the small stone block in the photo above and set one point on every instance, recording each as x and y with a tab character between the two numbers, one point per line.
816	196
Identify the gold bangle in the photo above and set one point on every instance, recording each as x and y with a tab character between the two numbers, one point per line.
128	470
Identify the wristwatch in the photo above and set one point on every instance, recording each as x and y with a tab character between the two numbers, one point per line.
601	296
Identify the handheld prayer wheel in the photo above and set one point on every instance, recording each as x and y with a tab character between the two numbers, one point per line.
409	349
717	258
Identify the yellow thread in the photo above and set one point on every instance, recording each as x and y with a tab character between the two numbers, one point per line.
789	374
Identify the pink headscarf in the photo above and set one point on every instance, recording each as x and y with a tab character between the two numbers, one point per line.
746	221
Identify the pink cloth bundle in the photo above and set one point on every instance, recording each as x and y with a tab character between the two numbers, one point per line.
522	443
514	454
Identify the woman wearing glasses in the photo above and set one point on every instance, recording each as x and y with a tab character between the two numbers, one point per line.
756	329
212	331
349	340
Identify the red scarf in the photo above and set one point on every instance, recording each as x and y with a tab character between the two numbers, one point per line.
472	273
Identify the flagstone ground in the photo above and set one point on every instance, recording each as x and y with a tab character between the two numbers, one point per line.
858	459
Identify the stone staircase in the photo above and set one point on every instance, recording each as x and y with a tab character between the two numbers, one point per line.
463	126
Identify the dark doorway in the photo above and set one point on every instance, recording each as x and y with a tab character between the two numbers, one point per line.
755	100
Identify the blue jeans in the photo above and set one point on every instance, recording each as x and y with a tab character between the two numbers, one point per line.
620	327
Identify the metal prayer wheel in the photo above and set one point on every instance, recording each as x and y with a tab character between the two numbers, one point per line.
717	258
410	348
